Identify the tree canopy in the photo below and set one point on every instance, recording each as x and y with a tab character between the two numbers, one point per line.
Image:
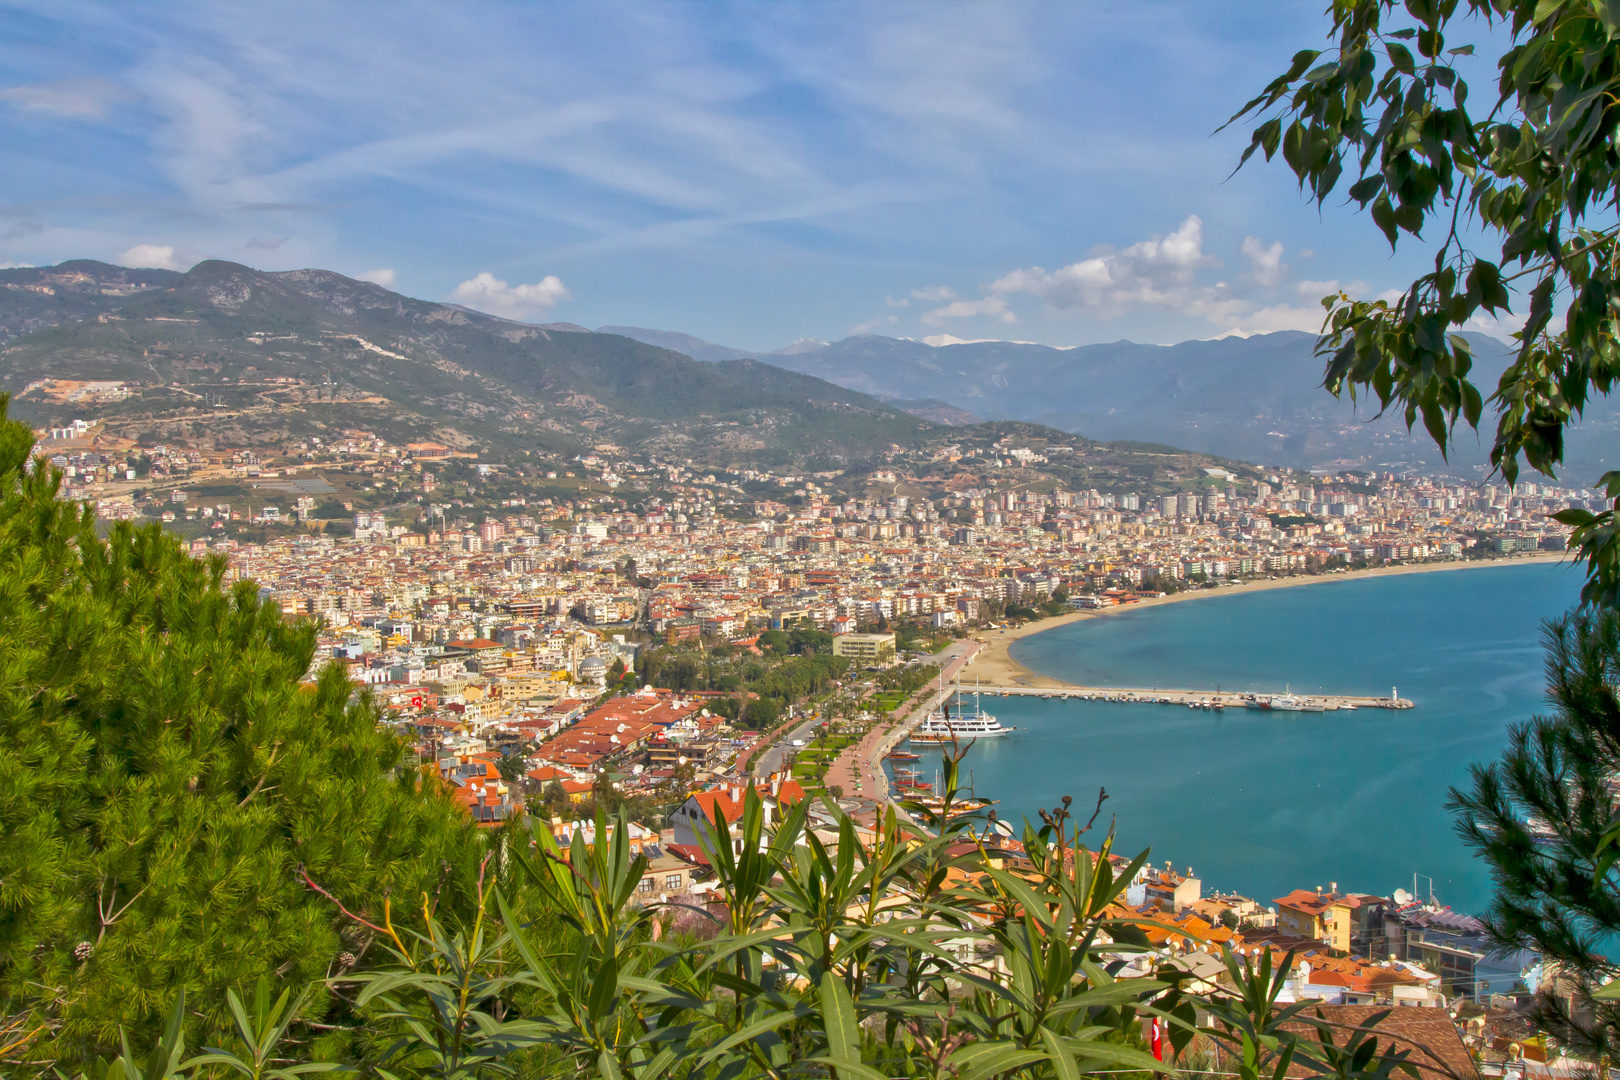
1543	819
170	790
1518	189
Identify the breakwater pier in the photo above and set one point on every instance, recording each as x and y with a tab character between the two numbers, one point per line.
1196	699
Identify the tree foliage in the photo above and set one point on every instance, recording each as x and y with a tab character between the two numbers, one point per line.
169	788
1543	819
905	953
1519	190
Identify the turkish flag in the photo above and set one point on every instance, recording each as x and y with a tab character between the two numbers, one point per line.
1158	1038
416	702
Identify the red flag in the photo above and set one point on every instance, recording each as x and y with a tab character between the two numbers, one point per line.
1158	1039
416	701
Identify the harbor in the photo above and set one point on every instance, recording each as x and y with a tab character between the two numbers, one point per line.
1287	701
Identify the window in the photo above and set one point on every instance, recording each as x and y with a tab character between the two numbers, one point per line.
648	884
672	881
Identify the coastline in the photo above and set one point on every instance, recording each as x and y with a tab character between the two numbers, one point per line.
995	665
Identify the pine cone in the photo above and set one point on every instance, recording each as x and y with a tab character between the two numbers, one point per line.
347	959
83	951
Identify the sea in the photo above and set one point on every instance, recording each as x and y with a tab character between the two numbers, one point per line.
1261	803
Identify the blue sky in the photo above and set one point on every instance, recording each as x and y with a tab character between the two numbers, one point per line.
749	173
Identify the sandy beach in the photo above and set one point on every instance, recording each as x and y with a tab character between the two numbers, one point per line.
994	665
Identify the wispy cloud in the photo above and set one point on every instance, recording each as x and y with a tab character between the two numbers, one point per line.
70	98
965	309
722	150
384	277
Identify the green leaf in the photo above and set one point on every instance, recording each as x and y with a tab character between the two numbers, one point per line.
1062	1061
1383	215
838	1018
849	1070
604	988
1473	404
981	1060
1608	13
754	1030
1364	189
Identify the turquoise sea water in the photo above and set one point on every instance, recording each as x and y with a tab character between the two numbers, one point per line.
1262	802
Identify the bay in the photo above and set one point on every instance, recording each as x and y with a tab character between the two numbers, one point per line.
1265	802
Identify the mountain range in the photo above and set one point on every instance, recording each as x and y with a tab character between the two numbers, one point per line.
227	355
235	356
1253	399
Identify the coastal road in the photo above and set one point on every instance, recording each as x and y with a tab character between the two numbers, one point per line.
771	758
859	769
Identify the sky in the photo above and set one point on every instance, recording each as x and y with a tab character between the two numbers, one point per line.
748	173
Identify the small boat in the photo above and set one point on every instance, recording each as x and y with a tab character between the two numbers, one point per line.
901	755
959	805
1286	701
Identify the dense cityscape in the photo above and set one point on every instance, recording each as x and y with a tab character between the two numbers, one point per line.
800	542
541	649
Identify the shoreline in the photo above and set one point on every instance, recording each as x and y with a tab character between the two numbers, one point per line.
995	665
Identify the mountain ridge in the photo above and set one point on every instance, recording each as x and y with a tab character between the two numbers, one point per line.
1257	398
227	352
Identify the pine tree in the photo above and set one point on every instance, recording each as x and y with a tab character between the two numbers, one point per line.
1543	818
169	787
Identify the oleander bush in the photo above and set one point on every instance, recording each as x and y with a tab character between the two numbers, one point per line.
902	951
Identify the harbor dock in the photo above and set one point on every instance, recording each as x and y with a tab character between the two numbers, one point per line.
1196	699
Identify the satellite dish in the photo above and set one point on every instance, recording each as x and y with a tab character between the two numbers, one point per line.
1402	896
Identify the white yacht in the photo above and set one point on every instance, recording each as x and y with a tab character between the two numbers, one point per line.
941	726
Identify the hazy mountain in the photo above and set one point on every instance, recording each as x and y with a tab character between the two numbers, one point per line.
1255	399
803	345
696	348
940	412
231	355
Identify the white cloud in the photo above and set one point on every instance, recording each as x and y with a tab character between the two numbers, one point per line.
1161	271
1308	315
73	98
962	309
15	266
486	292
384	277
1269	320
1315	290
156	256
934	294
902	302
1265	263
